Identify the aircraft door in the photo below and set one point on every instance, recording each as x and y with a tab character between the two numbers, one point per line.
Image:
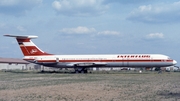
57	60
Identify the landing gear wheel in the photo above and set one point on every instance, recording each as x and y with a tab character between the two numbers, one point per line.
86	71
80	70
76	71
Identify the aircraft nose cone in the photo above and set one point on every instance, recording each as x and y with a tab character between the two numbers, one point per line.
174	62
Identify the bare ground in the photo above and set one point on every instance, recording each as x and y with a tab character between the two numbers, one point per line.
119	86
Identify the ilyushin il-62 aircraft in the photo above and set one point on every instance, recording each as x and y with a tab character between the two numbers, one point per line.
81	63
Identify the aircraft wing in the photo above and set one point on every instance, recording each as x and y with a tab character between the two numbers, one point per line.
81	64
91	64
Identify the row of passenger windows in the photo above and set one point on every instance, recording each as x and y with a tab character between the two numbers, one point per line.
119	56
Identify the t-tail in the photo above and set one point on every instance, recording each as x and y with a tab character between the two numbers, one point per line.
27	47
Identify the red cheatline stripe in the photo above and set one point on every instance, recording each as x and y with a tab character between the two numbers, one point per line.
103	60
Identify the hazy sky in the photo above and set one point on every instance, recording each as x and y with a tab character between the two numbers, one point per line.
92	26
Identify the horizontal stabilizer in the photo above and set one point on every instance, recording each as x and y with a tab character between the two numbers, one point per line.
22	36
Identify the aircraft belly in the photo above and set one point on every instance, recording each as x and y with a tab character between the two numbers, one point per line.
148	64
114	64
65	65
138	64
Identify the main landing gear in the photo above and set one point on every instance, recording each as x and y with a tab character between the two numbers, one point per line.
80	70
158	69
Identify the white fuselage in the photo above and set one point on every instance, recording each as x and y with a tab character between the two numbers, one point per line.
113	60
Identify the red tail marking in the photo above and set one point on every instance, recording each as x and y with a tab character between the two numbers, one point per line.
31	49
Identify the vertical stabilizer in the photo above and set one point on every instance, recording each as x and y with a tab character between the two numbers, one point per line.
27	47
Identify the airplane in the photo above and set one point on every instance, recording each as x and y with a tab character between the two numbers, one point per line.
81	63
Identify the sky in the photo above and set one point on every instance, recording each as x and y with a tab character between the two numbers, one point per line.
92	26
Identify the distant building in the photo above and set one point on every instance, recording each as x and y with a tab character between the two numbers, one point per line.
12	64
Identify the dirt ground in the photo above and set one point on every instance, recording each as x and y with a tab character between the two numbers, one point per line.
119	86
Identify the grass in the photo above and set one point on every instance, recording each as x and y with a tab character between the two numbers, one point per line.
98	86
